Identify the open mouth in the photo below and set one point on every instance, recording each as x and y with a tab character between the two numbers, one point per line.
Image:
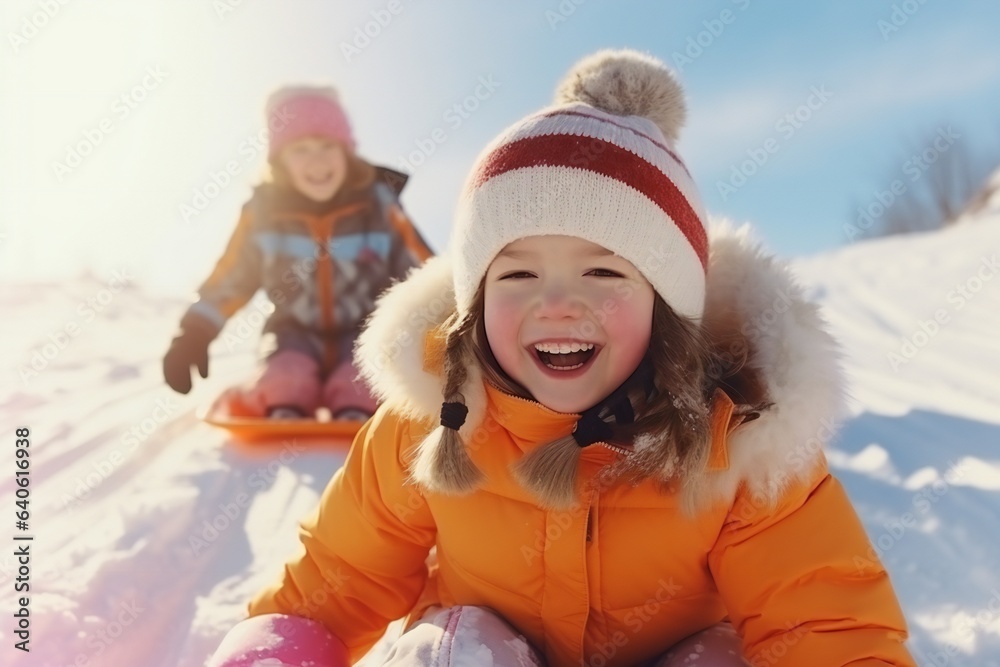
565	356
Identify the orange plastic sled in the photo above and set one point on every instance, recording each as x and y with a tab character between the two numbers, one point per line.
230	413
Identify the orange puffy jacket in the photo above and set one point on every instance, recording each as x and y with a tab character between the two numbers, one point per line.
774	546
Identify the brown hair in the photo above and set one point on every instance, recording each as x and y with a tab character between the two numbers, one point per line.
360	174
442	462
688	362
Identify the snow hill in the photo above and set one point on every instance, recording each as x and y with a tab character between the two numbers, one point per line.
150	534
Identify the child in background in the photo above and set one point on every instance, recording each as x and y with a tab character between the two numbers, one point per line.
323	237
610	438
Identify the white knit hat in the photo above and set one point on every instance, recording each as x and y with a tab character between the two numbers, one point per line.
599	165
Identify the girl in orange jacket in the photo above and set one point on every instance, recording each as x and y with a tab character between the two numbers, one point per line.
601	434
323	237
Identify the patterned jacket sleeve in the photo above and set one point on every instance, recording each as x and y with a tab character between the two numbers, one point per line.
236	277
362	562
409	249
800	585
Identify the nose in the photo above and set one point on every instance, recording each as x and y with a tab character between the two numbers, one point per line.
315	160
557	301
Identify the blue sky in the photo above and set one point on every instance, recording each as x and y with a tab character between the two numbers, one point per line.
174	92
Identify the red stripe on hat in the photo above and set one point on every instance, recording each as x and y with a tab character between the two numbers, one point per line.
605	158
663	147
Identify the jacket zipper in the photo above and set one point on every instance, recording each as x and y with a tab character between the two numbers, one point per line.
321	229
532	402
324	289
614	448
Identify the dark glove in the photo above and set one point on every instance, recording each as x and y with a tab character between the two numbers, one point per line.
188	348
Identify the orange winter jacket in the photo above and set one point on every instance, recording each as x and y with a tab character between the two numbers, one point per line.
774	545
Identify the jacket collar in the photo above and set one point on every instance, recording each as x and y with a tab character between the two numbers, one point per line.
530	424
388	185
789	347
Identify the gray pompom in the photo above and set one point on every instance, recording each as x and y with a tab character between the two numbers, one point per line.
627	83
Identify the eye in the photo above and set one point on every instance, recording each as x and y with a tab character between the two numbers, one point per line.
605	273
516	274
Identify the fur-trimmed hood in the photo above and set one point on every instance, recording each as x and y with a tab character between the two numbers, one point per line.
789	349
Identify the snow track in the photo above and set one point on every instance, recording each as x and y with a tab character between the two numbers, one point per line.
151	533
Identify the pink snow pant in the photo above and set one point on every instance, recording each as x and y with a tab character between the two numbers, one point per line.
277	640
292	378
476	636
460	635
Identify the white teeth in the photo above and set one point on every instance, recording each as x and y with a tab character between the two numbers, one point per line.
564	368
563	348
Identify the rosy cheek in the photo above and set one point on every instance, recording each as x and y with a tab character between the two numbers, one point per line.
629	324
632	340
503	320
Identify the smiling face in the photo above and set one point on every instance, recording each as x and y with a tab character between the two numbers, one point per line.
567	319
316	166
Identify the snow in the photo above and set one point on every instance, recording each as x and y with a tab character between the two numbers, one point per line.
150	533
918	318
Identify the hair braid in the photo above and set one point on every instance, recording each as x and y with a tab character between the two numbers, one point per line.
443	463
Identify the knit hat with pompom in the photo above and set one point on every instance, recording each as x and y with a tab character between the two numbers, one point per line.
297	112
601	165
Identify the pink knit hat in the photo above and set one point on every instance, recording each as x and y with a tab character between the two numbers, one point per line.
294	112
602	165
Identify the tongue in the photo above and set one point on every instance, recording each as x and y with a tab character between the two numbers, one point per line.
569	359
